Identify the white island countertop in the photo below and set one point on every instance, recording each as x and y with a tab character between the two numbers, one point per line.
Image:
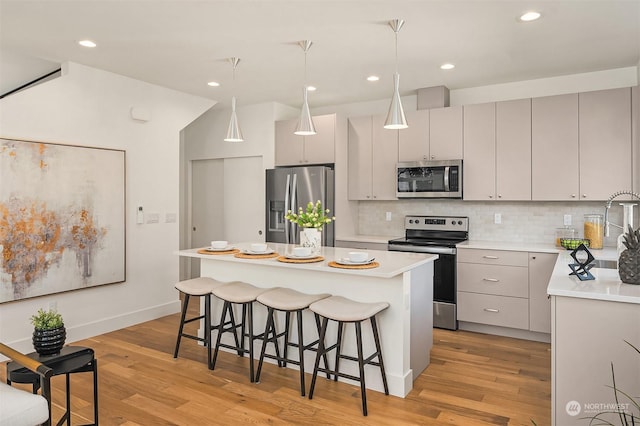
403	280
391	263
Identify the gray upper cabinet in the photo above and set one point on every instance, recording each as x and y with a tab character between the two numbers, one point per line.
413	142
605	143
479	177
513	150
373	154
294	150
554	148
445	133
497	151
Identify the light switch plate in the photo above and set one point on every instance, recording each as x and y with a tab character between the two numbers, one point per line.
388	216
497	218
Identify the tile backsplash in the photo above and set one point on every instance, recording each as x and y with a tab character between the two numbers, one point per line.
525	221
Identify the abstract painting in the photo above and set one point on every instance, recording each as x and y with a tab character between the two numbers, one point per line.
62	218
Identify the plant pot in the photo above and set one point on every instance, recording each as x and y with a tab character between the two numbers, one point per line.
311	237
49	342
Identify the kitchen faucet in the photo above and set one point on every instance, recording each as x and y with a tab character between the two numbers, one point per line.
628	211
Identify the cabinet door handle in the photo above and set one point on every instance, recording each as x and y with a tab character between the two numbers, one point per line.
493	280
494	311
573	195
584	195
499	195
490	257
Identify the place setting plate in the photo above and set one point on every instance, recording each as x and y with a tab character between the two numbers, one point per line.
252	254
291	258
226	250
348	262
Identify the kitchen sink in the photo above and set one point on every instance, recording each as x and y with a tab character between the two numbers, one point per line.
605	264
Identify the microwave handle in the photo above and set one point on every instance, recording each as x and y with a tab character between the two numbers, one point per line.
446	178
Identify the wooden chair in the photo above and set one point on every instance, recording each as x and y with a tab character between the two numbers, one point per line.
19	407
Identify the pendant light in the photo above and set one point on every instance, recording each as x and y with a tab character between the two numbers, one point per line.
395	116
305	124
234	134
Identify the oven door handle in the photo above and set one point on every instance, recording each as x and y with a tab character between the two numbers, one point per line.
421	249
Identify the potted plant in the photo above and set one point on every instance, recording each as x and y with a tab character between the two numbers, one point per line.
311	220
49	333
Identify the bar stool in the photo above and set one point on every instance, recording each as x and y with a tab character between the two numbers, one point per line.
288	301
237	293
202	286
343	310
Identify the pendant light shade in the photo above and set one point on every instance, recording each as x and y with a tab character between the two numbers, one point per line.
395	116
234	134
305	123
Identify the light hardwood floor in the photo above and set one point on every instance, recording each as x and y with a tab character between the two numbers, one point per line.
473	379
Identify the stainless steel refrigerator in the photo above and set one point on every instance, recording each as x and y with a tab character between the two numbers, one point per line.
293	187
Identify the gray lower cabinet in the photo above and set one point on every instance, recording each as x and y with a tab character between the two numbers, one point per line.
505	288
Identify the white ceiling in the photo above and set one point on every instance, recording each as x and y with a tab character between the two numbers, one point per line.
182	44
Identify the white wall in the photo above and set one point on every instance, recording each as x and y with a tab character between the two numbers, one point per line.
90	107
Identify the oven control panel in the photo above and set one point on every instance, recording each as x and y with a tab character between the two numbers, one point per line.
437	223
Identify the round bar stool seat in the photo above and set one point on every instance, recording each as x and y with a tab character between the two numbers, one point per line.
288	301
202	286
244	294
343	310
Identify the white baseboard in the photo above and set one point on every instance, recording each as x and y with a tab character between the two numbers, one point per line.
106	325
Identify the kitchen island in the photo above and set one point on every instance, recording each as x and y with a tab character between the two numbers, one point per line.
590	322
404	280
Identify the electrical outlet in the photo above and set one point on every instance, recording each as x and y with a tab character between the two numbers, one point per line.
497	218
388	217
567	219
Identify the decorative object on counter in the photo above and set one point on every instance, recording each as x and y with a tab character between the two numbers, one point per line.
311	221
594	230
583	258
629	261
573	243
234	134
49	333
566	233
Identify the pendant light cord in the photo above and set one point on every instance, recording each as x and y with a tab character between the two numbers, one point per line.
396	33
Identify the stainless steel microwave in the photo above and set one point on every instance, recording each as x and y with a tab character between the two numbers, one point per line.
429	179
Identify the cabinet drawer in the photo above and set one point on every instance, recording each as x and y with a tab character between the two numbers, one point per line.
493	257
493	279
493	310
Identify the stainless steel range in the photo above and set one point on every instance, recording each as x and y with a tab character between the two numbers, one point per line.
437	235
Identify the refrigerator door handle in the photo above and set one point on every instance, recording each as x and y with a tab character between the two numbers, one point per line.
294	204
287	207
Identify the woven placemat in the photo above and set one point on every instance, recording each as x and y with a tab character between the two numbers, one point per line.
232	251
256	256
289	260
371	265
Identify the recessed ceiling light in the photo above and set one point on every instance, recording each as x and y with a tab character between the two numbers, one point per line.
213	84
373	78
530	16
87	43
311	88
447	66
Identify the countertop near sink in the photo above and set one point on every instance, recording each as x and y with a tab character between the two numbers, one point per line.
606	286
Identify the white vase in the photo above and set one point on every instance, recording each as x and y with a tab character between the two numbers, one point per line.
311	237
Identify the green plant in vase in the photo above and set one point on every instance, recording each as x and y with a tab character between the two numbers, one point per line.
49	333
629	261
